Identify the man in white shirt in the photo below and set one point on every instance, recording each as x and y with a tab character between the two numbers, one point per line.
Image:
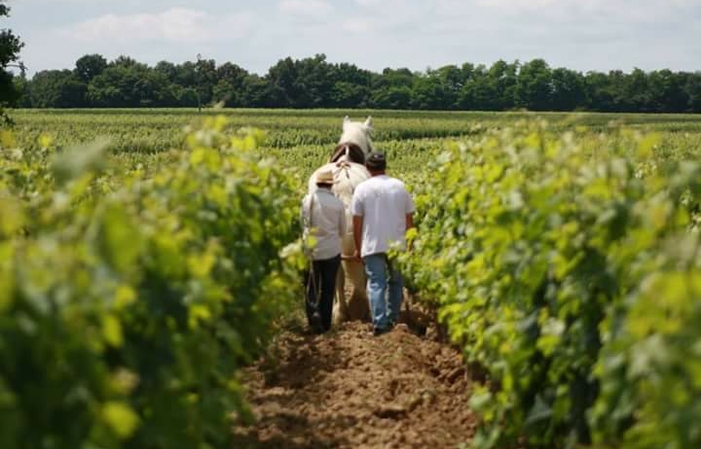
382	212
324	219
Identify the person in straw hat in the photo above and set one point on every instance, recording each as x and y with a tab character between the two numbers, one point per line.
324	220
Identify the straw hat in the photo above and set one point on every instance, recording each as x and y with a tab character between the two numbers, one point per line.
325	177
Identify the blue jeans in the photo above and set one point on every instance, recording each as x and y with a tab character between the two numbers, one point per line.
384	304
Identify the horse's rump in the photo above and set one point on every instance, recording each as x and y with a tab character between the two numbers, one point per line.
346	175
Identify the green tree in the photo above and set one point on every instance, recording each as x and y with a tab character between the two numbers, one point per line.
184	96
394	78
230	85
429	92
352	87
302	83
205	79
90	66
130	85
452	80
256	92
22	85
666	92
392	89
693	91
502	80
167	69
282	79
568	91
57	89
634	91
349	95
350	73
478	91
10	46
392	97
125	61
618	85
533	88
181	82
315	81
597	87
185	74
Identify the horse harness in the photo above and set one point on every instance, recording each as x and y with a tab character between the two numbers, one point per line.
350	149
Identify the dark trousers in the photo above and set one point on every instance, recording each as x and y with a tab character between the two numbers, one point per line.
322	283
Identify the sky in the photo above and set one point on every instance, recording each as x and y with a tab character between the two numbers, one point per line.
373	34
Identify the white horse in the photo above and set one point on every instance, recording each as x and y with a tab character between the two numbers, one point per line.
348	165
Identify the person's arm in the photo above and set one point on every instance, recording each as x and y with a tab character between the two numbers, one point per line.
410	224
304	217
303	220
358	234
409	210
358	212
409	221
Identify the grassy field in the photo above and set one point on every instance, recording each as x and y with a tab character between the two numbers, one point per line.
302	138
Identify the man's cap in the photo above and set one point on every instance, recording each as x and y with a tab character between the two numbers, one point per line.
376	161
325	177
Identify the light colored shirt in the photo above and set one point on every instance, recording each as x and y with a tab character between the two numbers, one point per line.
384	203
327	224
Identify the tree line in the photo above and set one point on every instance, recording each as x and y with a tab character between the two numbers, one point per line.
316	83
10	46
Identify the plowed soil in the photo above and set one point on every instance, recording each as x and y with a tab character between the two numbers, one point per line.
349	389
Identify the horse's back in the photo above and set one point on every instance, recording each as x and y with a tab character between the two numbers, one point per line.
347	176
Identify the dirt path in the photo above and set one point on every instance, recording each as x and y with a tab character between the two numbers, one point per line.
349	389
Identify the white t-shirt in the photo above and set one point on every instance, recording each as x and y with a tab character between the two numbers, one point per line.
327	224
384	203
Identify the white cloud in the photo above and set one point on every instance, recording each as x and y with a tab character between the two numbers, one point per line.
358	25
624	11
368	2
175	25
373	34
516	4
308	8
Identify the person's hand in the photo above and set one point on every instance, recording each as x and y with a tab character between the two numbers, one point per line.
356	255
410	237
